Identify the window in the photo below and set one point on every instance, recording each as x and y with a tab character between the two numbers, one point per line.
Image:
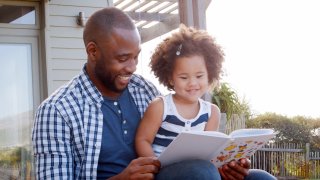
11	14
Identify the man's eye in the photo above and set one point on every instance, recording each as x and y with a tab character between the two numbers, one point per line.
183	77
199	76
123	59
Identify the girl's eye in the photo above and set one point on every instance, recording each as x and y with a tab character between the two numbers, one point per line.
183	77
199	76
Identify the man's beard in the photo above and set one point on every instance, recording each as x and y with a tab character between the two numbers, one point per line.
106	78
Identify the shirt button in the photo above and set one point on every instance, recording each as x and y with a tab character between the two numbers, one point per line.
119	111
115	103
125	132
188	122
124	121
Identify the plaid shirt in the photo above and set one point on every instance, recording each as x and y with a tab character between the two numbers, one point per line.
67	130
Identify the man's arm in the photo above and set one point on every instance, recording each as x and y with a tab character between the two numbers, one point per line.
51	145
235	170
140	168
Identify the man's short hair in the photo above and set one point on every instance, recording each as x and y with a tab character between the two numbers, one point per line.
102	22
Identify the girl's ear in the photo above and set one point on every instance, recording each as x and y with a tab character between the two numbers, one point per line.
171	82
91	49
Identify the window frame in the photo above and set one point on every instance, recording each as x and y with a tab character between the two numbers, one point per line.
23	26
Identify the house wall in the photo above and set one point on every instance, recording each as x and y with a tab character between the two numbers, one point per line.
65	53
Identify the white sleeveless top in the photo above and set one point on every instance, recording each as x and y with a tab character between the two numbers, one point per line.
173	123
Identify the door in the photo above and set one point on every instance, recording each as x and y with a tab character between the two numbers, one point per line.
17	105
19	87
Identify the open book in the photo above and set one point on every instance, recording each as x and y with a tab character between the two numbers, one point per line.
214	146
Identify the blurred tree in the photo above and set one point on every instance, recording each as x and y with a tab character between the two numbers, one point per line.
298	129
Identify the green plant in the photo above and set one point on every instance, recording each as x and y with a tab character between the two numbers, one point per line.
228	101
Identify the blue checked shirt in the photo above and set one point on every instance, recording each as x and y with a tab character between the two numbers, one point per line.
67	130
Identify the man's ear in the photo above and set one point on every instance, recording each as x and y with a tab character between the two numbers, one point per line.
91	49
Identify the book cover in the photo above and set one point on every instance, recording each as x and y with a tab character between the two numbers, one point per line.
214	146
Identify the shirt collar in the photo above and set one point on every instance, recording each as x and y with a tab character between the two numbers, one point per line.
91	93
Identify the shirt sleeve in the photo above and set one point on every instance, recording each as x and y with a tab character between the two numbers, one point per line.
52	144
152	90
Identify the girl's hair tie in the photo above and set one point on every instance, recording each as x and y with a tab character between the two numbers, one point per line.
179	50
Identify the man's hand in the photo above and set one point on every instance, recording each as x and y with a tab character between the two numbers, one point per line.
140	168
235	170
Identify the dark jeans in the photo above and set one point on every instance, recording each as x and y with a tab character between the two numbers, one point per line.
202	170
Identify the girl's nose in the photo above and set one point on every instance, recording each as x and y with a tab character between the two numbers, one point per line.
193	81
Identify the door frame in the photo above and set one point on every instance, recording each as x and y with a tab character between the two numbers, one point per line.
28	34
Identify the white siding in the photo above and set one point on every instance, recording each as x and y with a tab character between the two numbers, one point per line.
64	46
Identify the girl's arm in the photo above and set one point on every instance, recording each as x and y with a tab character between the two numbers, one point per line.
214	119
148	128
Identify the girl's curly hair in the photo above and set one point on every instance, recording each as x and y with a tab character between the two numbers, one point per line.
188	41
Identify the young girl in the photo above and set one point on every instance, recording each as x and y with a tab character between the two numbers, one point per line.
188	62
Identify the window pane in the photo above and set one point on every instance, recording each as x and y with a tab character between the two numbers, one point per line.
16	111
17	14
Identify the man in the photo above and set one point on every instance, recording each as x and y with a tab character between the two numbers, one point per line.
86	129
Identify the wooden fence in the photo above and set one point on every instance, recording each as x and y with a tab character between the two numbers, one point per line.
234	123
288	161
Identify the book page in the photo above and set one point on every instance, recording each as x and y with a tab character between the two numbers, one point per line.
241	147
250	132
192	145
209	133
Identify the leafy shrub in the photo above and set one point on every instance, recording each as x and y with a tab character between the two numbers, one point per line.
228	101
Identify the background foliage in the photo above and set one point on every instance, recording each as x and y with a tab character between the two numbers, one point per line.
229	102
298	129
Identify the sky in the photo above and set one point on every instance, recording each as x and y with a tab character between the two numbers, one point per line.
272	53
